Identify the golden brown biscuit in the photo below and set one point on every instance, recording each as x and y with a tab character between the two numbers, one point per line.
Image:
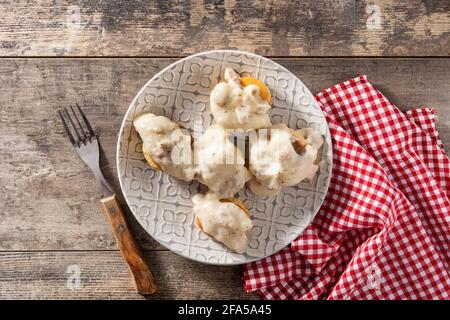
299	142
238	203
151	162
235	201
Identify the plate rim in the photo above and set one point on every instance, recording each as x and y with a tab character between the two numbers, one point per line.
122	128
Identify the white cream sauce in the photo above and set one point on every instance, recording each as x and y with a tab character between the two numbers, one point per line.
216	162
274	162
168	145
224	221
220	163
312	137
234	106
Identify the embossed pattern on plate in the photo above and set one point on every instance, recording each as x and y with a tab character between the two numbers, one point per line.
162	204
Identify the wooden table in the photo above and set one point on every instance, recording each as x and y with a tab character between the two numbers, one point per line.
52	227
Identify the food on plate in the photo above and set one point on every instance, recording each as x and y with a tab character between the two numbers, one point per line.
299	142
166	146
225	220
215	161
281	157
278	156
240	102
264	92
220	165
312	137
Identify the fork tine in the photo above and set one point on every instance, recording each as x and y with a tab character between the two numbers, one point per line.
88	125
73	125
66	128
79	123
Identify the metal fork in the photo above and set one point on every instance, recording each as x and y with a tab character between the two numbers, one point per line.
85	141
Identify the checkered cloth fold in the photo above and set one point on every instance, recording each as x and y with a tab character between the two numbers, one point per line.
383	230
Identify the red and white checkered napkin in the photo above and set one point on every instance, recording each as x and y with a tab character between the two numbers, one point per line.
383	231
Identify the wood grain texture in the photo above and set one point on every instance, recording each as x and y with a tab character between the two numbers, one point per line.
104	275
50	200
275	28
130	250
51	222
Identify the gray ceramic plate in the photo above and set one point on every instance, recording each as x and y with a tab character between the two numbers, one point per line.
162	204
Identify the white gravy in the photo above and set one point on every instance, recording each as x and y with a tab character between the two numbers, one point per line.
216	162
165	141
234	106
275	164
220	164
224	221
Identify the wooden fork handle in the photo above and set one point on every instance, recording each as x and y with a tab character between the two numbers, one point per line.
142	277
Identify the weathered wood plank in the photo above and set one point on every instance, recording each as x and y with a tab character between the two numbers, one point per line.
46	191
51	275
174	28
50	200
